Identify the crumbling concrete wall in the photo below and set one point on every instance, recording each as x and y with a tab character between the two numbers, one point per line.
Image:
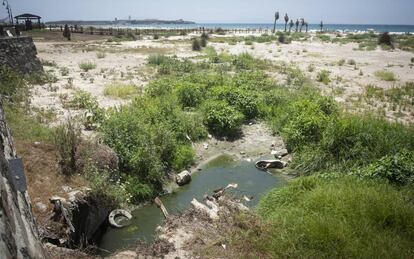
20	54
19	236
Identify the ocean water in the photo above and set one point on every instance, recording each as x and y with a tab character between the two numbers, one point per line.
280	26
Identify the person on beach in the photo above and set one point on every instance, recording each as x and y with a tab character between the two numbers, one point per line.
297	25
291	24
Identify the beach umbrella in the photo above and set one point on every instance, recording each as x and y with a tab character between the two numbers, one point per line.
276	18
286	21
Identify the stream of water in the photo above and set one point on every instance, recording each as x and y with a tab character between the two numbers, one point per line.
216	174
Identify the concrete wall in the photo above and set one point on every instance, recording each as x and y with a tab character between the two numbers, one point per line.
19	234
20	54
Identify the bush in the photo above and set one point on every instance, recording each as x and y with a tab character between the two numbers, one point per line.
146	136
338	218
222	119
385	39
100	55
323	77
158	59
184	157
307	121
156	37
66	140
82	100
189	94
385	75
203	42
243	100
352	141
86	66
196	45
13	86
282	38
396	169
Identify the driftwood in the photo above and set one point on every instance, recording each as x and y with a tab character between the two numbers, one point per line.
160	205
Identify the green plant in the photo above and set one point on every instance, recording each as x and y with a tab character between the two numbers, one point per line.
64	71
396	169
184	157
203	42
222	119
329	218
13	87
385	75
120	90
351	62
196	45
385	39
158	59
66	140
86	66
100	55
341	62
323	77
189	94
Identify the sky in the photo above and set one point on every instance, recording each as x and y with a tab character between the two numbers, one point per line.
221	11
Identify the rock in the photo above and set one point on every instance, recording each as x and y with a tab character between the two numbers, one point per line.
183	178
280	153
210	136
66	188
205	145
41	206
242	153
125	255
37	143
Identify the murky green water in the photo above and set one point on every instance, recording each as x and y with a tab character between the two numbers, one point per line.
216	174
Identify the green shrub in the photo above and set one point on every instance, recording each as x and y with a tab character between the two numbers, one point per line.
307	121
66	140
386	75
136	190
351	141
203	42
341	62
82	100
189	94
412	60
338	218
146	136
222	119
385	39
13	87
351	62
86	66
396	169
184	157
245	61
158	59
282	39
241	99
323	77
156	37
196	45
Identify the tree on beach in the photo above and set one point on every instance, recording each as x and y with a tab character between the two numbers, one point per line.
291	24
297	25
66	32
286	21
306	25
321	25
302	23
276	18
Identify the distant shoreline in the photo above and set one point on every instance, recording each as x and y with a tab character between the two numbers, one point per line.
181	24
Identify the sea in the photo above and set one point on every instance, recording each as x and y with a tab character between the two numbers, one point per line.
280	26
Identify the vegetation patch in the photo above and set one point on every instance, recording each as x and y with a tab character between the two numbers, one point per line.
120	90
385	75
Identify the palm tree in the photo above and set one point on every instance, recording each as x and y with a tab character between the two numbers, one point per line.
302	22
297	25
286	21
321	25
276	18
306	25
291	24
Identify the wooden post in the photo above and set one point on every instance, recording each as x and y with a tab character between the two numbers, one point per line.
160	205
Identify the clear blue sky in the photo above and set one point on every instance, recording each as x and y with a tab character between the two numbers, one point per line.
225	11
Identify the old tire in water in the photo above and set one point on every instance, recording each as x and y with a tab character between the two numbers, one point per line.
118	213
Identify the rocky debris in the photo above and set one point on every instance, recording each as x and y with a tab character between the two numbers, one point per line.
78	221
183	178
19	233
280	153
